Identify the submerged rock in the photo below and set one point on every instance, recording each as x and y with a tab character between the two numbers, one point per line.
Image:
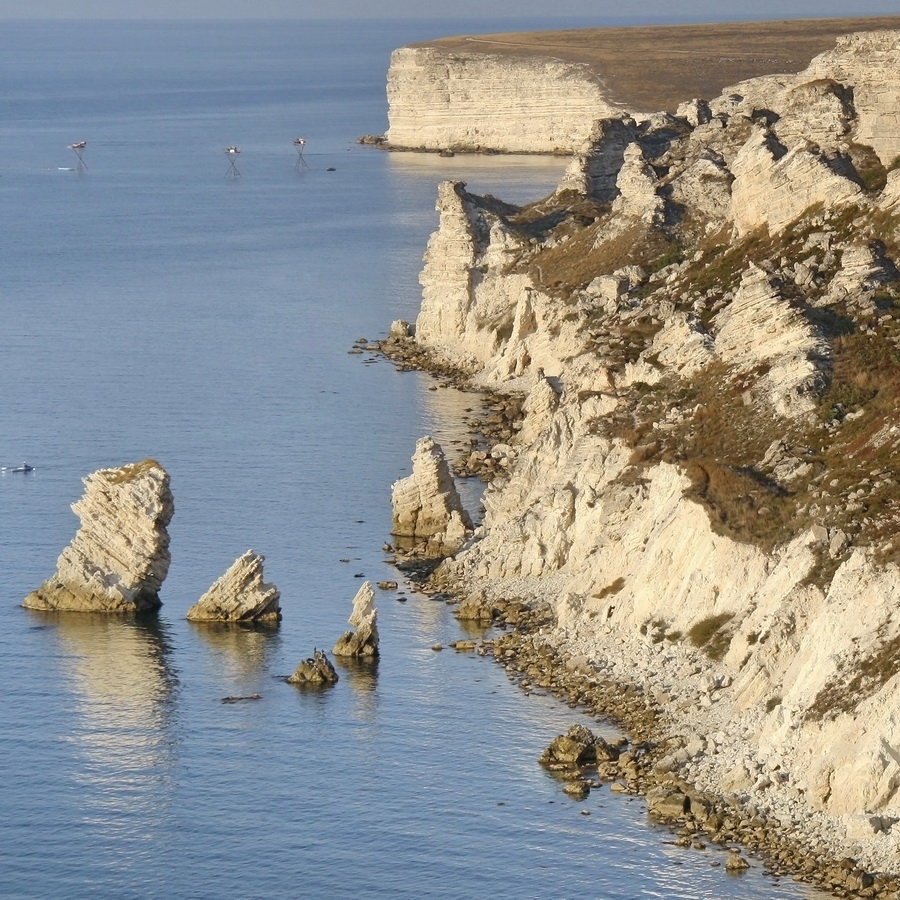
119	557
363	641
315	670
240	595
426	504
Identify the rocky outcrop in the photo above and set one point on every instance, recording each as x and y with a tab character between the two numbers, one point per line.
452	100
578	747
364	641
867	63
317	670
119	557
703	487
240	595
426	504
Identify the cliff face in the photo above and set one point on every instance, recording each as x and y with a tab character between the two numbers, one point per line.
475	101
705	318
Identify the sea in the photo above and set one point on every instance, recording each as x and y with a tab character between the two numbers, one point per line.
157	303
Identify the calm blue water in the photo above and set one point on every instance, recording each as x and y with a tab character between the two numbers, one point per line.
153	307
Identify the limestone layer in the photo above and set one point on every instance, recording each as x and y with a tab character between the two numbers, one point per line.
119	557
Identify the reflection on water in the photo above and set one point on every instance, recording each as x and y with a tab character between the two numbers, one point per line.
362	676
513	178
124	690
241	652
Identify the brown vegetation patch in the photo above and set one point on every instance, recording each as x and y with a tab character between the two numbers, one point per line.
855	682
649	68
711	635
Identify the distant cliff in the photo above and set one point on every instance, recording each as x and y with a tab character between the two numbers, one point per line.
440	100
705	488
541	92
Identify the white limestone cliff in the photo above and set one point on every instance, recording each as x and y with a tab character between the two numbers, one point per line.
608	509
439	99
119	557
239	595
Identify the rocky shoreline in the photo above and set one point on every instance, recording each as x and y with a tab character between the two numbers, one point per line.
654	758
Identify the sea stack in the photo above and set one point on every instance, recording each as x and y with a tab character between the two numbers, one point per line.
426	504
119	557
240	595
364	641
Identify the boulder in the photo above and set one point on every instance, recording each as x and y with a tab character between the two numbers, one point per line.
364	641
668	802
240	595
315	670
577	747
426	504
119	557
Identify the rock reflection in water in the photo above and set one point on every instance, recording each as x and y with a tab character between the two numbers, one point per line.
362	676
124	690
241	652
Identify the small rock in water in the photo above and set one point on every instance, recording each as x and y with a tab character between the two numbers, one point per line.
364	641
315	670
734	862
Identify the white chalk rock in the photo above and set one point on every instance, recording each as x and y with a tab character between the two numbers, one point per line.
119	557
240	595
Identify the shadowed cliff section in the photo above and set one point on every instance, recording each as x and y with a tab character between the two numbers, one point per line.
650	68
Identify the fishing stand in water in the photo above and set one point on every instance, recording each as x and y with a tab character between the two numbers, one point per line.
77	148
232	153
299	144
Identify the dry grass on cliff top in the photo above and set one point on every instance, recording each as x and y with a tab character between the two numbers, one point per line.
649	68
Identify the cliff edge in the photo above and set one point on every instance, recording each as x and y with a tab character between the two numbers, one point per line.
704	320
540	92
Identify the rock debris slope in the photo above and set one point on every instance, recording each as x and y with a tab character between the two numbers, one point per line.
119	557
704	320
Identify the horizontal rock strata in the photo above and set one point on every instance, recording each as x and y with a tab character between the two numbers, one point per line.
239	595
119	557
542	92
476	101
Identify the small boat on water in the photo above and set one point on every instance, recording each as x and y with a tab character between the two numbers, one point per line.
23	468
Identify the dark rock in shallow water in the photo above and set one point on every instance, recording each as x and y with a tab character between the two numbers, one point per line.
315	670
574	748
